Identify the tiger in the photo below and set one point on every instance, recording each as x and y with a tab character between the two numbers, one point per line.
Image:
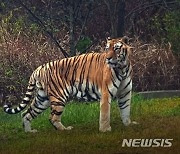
92	77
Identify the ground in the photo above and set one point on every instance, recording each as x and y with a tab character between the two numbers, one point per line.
158	118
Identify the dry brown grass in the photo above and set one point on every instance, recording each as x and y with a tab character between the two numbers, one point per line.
155	67
20	55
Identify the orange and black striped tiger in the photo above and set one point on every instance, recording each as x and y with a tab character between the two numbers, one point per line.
92	76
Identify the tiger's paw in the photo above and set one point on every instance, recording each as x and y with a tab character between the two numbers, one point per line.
107	129
134	123
128	122
31	131
69	128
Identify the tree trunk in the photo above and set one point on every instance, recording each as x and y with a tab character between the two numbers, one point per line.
121	18
116	10
71	30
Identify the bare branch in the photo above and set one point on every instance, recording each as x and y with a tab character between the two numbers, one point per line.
40	23
84	24
145	6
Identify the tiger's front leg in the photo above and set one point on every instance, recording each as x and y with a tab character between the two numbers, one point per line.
104	121
124	103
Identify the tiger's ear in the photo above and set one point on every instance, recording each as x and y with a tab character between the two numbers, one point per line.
130	49
108	39
125	39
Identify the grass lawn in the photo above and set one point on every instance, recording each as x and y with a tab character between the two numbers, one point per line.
158	118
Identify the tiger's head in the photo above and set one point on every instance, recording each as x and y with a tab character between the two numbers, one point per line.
117	52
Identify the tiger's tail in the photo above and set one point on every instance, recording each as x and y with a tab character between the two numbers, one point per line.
8	109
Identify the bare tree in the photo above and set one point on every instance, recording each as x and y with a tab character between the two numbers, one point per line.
116	10
71	14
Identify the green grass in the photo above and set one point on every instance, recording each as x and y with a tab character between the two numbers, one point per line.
158	118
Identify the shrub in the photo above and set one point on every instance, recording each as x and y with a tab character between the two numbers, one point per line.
168	29
83	44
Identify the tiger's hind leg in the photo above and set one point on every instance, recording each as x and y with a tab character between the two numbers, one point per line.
57	109
39	104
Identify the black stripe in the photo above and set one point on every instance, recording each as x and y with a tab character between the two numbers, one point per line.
50	67
129	73
57	113
74	70
64	83
82	94
52	123
31	109
28	95
124	107
66	61
82	72
23	114
32	85
25	101
98	57
124	95
37	111
76	92
87	79
58	104
61	104
109	58
16	110
59	98
68	67
41	98
114	84
117	75
125	52
89	97
122	103
22	106
62	68
32	115
94	91
28	119
61	86
53	64
36	106
58	81
127	84
128	68
30	90
109	91
56	88
52	92
112	63
40	103
65	87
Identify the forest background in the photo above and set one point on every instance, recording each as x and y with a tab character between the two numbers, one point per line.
37	31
